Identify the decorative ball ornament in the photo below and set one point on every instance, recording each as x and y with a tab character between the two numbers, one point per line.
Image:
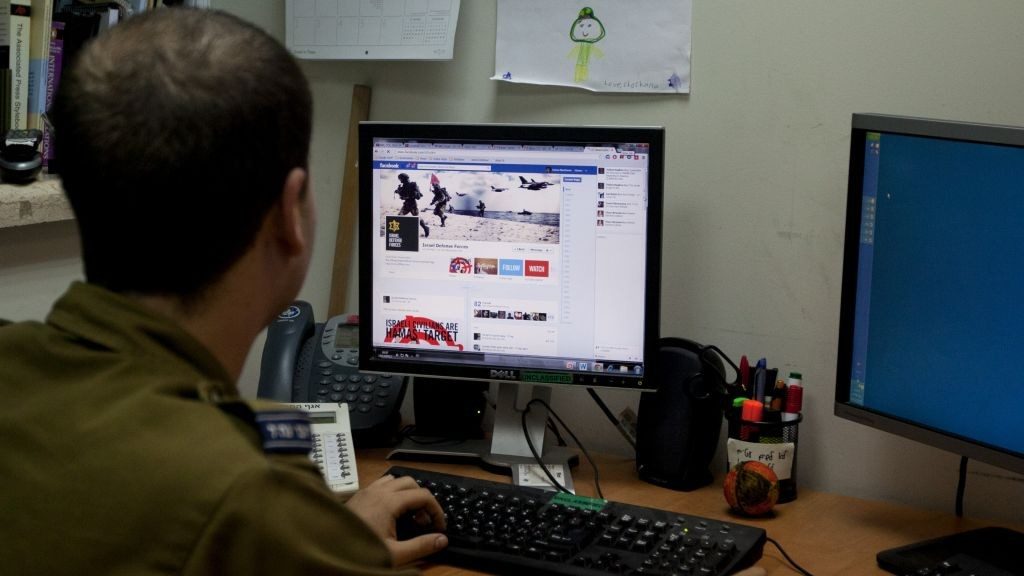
751	488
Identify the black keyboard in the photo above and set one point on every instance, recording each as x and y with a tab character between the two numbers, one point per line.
507	529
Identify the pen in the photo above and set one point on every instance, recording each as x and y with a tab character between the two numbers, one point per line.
770	374
759	380
745	375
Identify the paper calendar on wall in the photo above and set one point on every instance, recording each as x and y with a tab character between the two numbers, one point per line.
371	29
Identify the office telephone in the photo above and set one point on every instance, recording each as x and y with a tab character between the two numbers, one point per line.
333	450
317	363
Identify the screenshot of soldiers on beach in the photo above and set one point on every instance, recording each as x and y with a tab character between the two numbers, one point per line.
511	253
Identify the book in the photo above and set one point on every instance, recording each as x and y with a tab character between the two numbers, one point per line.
5	100
70	31
39	48
5	34
138	6
108	14
20	30
54	66
5	66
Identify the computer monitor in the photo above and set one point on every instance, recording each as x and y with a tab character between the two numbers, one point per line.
519	254
933	285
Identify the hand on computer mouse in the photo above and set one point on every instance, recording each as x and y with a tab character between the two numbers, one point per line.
387	499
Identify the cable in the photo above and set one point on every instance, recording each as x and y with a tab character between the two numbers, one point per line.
723	356
554	430
960	485
799	568
618	423
536	456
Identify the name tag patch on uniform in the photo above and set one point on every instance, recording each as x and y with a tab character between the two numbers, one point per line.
285	432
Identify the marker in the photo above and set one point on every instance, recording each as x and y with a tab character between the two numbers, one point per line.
778	394
751	412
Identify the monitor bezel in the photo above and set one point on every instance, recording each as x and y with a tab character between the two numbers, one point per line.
536	133
862	124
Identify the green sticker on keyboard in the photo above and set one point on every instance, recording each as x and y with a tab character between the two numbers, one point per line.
581	502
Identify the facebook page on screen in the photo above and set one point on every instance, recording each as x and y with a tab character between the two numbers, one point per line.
532	251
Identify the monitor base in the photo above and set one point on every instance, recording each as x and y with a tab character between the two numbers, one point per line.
517	435
479	452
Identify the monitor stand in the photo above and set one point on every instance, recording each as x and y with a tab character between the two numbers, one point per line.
507	451
996	547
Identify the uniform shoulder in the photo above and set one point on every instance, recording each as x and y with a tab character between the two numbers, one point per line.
278	428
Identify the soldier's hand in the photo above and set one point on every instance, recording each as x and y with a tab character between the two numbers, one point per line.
385	500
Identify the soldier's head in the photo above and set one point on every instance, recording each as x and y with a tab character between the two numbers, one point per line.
175	132
403	177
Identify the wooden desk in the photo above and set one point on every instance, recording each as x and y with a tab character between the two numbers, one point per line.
826	533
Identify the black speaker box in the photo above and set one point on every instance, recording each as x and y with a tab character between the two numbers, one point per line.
449	408
678	426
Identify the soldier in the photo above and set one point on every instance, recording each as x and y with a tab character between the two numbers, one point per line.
126	446
480	207
409	192
441	198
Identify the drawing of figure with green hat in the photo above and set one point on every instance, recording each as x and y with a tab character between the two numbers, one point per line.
585	31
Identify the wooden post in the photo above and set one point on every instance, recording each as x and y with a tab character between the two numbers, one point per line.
348	212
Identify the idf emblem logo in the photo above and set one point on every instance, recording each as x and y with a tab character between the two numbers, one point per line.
402	233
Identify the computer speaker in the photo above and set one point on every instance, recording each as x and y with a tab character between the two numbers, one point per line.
678	426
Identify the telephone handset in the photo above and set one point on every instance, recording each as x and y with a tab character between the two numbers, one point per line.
307	362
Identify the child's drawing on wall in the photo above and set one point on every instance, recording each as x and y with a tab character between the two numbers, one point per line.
586	30
612	45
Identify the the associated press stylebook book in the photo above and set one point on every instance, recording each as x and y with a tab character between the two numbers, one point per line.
20	36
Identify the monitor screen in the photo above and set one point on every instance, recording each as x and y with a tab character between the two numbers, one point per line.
933	280
511	252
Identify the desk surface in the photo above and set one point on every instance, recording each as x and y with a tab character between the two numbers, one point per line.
825	533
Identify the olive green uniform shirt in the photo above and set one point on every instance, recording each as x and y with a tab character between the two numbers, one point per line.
122	452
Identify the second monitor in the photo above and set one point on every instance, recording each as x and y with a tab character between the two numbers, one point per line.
512	253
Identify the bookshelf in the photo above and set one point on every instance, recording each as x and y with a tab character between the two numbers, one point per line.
35	203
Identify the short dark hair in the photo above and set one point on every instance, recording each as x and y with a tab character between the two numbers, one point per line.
174	132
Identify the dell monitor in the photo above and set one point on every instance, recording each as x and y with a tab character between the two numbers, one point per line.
933	297
518	254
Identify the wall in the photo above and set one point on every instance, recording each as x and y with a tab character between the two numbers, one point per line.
756	182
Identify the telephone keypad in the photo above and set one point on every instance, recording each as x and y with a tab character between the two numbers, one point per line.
373	399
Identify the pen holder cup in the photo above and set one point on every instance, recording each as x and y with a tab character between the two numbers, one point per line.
772	442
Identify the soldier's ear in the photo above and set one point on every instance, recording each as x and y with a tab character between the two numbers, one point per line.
296	214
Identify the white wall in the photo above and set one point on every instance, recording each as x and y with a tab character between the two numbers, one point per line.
756	184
